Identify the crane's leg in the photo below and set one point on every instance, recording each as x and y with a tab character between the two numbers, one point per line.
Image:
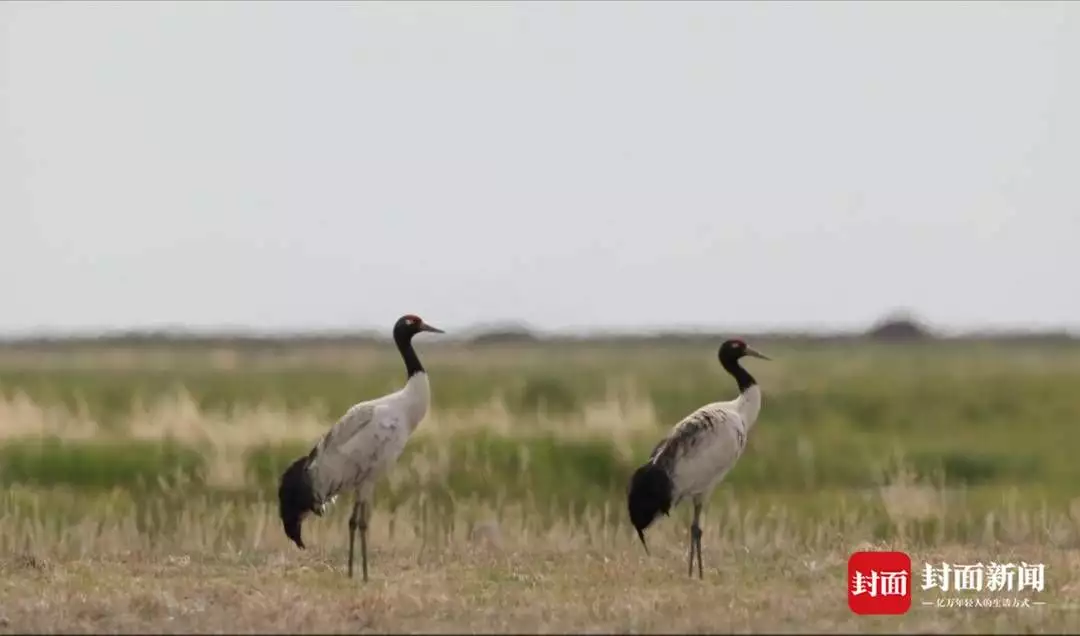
354	524
690	563
700	567
365	510
695	541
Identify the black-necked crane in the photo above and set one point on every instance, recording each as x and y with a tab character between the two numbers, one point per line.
697	453
361	447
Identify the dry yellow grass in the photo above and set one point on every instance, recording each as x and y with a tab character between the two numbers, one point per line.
761	575
229	568
177	416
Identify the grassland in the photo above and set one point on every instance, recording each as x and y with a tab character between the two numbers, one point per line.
139	487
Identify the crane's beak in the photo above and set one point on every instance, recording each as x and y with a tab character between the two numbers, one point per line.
753	353
427	327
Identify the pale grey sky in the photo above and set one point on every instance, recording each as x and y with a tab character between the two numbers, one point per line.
318	164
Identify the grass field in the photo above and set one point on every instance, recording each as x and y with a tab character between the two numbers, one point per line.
139	487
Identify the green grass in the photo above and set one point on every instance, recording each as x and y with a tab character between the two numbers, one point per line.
831	418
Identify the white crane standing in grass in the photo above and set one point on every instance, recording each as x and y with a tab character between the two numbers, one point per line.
358	450
697	454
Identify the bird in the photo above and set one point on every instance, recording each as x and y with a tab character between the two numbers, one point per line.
698	453
358	449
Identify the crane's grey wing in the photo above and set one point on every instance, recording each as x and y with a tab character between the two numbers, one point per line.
348	425
704	441
350	460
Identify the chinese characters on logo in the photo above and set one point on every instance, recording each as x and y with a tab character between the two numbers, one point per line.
978	577
995	577
883	583
880	583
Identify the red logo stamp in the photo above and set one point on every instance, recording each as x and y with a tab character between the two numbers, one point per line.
879	582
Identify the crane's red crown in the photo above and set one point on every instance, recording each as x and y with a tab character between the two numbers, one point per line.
412	319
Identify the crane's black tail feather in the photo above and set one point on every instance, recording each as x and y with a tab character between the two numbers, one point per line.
295	499
641	535
649	496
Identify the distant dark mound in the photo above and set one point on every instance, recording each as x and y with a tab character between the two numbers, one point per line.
899	328
504	334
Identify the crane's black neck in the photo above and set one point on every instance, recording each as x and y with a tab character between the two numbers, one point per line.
403	340
741	375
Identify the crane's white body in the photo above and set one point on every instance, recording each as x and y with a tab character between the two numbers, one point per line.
366	442
706	444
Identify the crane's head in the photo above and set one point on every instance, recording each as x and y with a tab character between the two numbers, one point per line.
295	499
409	325
735	349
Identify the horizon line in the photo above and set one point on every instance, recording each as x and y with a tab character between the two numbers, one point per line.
513	330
